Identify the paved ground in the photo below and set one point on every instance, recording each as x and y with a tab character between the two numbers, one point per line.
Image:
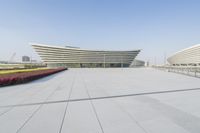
103	101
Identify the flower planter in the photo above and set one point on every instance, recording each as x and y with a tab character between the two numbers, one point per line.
17	78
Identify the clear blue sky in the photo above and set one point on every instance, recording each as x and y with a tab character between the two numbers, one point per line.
155	26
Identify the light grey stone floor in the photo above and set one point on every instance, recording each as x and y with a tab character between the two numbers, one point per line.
135	100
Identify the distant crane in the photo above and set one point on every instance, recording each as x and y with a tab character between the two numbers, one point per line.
12	58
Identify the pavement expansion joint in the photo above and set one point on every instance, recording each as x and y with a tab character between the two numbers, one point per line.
103	97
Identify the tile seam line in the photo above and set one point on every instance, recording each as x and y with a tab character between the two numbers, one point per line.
40	106
65	111
92	104
35	112
131	117
35	93
104	97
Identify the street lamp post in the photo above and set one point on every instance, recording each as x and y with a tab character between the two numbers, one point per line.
104	61
122	61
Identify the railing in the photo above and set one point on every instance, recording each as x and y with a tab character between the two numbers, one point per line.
186	70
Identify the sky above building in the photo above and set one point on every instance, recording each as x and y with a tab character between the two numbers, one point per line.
158	27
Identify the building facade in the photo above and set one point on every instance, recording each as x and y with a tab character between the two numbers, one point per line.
55	56
186	57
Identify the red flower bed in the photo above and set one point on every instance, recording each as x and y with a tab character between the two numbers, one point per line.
10	79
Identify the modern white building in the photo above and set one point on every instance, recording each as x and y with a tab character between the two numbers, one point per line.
186	57
75	57
137	63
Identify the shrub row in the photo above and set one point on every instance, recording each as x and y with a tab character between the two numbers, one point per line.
17	78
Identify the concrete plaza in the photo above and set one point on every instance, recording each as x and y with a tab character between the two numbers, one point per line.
98	100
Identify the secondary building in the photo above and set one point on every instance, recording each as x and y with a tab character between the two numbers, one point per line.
186	57
55	56
137	63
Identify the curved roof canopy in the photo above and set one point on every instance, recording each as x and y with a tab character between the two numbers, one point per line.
187	56
56	54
